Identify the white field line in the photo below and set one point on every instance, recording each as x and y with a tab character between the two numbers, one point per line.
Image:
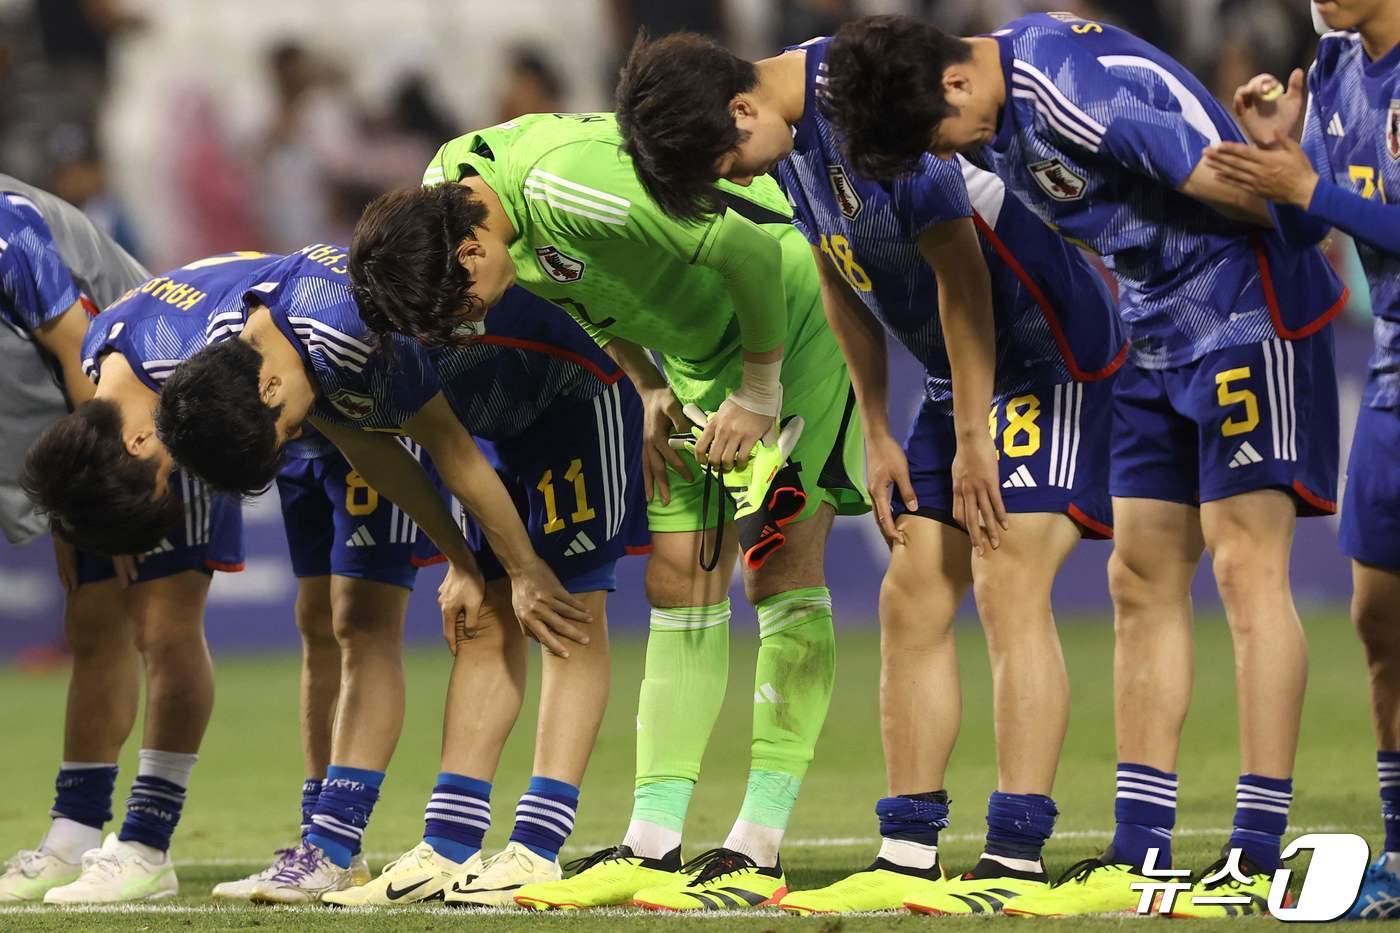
413	910
820	842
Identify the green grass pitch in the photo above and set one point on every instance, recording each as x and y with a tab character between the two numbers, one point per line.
244	796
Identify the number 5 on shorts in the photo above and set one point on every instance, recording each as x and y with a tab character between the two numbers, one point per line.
1227	396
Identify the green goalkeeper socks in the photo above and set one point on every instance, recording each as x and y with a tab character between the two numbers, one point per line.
792	692
687	668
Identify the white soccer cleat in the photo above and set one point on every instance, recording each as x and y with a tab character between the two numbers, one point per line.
308	874
243	888
118	873
32	873
501	876
420	874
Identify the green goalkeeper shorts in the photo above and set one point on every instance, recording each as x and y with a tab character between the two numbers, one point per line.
830	455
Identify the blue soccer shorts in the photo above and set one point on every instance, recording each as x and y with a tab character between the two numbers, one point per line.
337	524
1256	416
1052	454
1370	529
576	478
209	537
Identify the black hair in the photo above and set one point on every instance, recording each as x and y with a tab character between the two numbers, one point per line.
404	271
96	493
673	113
212	419
884	90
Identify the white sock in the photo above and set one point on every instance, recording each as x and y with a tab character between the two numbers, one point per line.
174	767
758	842
650	840
1031	865
908	854
150	854
69	840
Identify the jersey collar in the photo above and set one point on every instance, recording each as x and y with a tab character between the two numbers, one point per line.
1380	67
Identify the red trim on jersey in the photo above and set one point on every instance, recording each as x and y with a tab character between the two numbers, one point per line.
638	549
89	306
551	350
1266	279
1094	529
1047	309
1320	505
226	568
417	561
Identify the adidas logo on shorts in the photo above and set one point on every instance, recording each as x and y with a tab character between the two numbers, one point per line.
361	538
1245	456
581	544
1021	478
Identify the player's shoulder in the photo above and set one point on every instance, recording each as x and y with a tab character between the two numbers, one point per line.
20	218
1336	51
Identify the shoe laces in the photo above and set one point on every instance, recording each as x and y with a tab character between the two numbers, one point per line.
279	861
1081	870
506	855
28	862
304	861
716	863
106	863
612	854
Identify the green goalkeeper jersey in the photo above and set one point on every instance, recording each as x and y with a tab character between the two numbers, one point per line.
592	241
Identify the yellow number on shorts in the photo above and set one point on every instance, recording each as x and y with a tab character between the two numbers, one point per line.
582	511
1228	396
360	497
838	250
1022	435
992	426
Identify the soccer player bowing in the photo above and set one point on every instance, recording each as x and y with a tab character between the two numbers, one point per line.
565	505
110	488
1225	416
1338	177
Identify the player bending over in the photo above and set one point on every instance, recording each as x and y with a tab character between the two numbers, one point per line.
1339	177
1033	345
1225	417
732	306
108	486
564	426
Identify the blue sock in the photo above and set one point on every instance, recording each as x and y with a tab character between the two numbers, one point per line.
1261	816
1019	824
457	816
1145	810
152	812
347	799
310	793
916	818
1388	770
84	795
544	817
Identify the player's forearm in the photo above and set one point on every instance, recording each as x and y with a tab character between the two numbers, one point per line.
634	360
1206	186
62	337
862	341
470	477
968	321
395	474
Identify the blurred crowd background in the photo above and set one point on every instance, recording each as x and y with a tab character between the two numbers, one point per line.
192	127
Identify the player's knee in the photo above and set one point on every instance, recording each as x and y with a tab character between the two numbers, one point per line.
361	622
1248	578
90	638
1131	582
1378	627
903	602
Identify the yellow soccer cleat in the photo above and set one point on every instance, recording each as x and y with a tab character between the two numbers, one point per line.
980	891
1232	887
879	887
1093	886
721	879
607	878
420	874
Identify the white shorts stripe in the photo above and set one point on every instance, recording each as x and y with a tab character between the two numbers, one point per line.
1292	401
1077	390
1055	437
1271	388
618	459
600	423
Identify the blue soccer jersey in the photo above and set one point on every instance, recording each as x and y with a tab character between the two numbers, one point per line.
35	284
1054	314
165	320
1098	132
1352	136
561	419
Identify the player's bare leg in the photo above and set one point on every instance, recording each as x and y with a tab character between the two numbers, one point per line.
1029	684
368	618
179	671
320	672
1250	538
104	687
1375	609
927	578
573	698
487	688
1157	546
